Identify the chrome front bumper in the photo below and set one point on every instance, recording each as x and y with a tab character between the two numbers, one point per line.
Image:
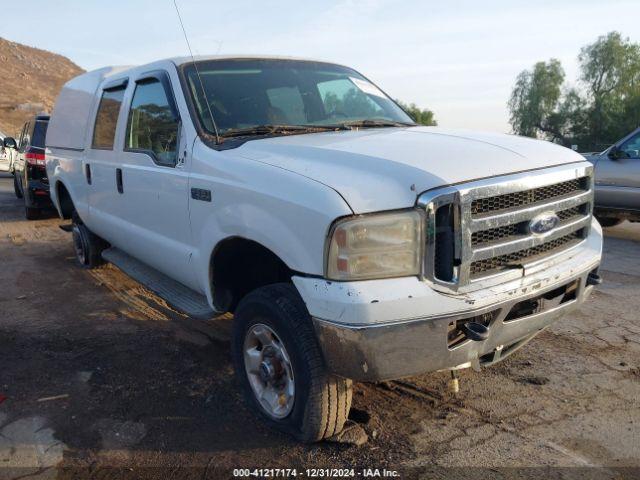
393	350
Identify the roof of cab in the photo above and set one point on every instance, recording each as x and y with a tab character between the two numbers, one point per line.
200	58
70	119
116	71
113	71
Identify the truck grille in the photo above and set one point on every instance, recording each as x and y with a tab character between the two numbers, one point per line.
487	232
502	261
526	197
520	229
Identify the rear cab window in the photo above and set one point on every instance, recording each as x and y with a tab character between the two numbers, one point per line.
39	133
106	121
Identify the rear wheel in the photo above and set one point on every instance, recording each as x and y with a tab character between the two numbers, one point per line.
87	245
16	187
280	368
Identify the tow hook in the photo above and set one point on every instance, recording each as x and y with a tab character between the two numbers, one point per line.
594	279
475	331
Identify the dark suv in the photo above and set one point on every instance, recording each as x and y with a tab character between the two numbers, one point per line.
30	175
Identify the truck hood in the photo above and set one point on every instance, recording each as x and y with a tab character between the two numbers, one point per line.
386	168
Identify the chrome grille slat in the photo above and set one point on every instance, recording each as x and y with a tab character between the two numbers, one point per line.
528	241
493	243
495	235
525	197
509	217
495	262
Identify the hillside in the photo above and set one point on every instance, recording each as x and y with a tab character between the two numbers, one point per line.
30	80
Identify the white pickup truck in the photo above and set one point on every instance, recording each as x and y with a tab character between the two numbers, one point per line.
349	242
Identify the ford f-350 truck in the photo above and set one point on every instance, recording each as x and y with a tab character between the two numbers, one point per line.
348	242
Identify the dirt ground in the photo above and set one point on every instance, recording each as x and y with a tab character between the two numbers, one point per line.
99	378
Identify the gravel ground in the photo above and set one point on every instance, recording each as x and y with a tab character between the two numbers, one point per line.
99	378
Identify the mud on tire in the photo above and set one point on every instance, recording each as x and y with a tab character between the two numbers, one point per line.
322	401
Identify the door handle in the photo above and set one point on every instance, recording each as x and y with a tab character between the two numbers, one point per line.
87	173
119	180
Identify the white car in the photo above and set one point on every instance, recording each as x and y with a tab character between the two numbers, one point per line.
8	153
5	155
350	243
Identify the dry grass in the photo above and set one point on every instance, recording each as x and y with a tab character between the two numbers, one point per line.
29	76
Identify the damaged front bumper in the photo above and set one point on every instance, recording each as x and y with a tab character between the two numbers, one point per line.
388	351
369	333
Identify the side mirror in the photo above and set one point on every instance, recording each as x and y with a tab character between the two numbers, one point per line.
9	142
615	153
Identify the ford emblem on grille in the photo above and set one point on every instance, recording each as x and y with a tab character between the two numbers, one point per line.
543	223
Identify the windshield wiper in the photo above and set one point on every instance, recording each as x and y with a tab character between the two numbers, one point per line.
369	123
269	129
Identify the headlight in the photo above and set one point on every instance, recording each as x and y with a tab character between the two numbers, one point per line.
376	246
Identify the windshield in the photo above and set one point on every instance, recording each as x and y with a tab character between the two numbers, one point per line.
243	94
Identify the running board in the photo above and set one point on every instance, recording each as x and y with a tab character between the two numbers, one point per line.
174	293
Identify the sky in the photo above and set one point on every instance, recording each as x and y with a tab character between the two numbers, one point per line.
457	58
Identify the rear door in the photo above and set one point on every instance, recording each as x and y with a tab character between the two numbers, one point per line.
154	181
100	162
618	177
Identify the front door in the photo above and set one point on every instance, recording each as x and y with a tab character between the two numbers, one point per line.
154	181
618	176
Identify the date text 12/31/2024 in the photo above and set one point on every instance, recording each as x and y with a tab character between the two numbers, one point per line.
315	473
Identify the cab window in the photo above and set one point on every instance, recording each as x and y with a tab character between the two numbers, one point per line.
631	147
39	133
104	132
153	126
24	136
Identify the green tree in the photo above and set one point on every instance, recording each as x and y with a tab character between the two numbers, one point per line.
534	103
603	109
421	116
610	69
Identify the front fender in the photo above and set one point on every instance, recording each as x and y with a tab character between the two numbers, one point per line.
285	212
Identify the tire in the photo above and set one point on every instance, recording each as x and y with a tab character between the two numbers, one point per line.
16	187
607	222
321	401
31	213
88	246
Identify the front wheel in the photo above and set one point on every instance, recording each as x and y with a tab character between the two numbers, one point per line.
280	368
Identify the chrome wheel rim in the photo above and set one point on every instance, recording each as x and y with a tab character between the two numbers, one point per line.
78	246
269	371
